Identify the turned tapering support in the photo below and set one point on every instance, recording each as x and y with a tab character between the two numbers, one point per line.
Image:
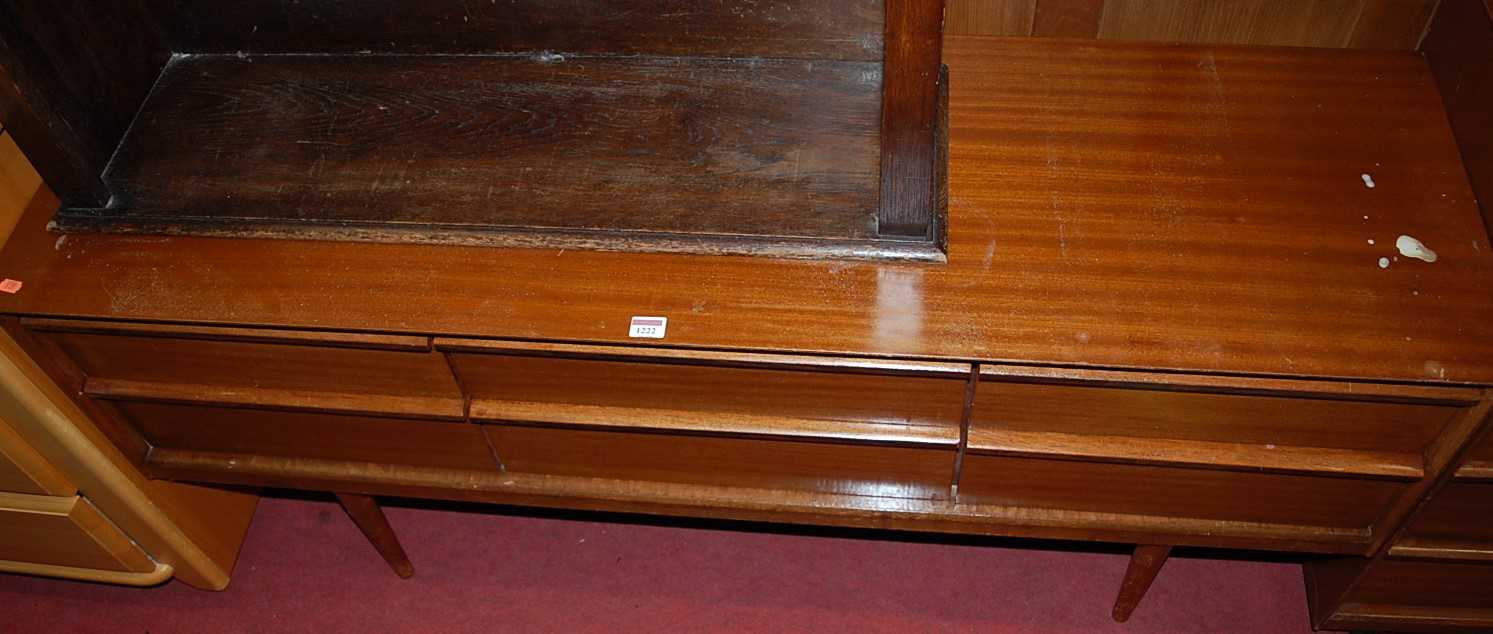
1145	563
365	512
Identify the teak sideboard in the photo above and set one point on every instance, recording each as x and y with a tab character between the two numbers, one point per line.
1190	295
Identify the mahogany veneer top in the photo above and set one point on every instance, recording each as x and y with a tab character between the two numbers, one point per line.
1111	204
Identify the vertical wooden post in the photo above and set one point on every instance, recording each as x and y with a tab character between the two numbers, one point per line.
909	108
370	519
1144	565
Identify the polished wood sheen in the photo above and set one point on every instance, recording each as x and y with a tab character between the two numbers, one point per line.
370	519
1244	250
1172	314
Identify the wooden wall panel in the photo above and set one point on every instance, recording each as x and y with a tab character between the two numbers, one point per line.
1460	49
1377	24
72	75
989	17
1068	18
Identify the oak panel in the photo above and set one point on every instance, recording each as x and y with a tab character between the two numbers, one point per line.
364	439
863	470
1243	250
65	531
1174	492
261	373
1246	419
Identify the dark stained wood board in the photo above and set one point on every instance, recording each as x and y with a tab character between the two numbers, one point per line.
72	76
1459	47
1111	204
731	149
798	29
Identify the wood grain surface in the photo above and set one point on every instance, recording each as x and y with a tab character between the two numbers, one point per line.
1382	24
1111	204
721	147
909	118
801	29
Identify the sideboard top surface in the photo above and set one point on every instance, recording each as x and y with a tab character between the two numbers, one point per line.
1194	208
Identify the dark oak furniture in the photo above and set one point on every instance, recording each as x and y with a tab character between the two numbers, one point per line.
1173	313
803	128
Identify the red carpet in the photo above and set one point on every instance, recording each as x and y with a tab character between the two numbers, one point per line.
305	568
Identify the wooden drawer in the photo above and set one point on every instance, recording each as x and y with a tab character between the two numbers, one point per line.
756	394
746	462
23	470
328	371
313	435
1457	522
1351	505
65	531
1122	418
1416	583
822	424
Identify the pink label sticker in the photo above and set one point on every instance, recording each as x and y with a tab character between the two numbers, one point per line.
10	286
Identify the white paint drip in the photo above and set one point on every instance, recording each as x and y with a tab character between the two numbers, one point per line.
1371	241
1383	263
1412	248
1368	180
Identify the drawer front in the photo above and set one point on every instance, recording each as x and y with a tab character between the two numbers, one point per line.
65	531
756	463
23	470
726	398
1460	515
322	436
1246	419
1428	584
1175	492
397	375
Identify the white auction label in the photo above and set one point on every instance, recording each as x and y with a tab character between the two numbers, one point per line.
648	327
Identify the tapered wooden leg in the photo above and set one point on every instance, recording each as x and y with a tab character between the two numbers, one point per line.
370	519
1144	565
